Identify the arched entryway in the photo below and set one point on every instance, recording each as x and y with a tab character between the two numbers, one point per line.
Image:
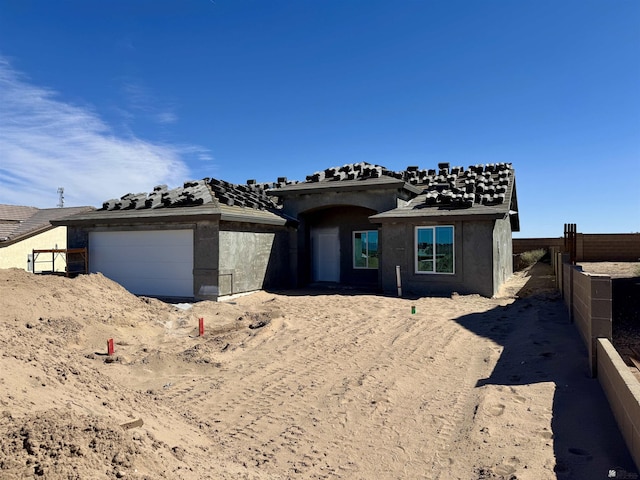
339	244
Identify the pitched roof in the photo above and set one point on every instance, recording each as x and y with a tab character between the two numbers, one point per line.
19	222
206	197
487	190
199	192
448	187
480	190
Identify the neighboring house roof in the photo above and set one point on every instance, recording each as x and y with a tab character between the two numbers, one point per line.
19	222
12	217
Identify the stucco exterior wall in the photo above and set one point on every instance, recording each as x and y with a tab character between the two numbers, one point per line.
477	251
205	260
502	253
16	255
252	258
473	259
231	257
379	200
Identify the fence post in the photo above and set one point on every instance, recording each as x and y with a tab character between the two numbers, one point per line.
570	230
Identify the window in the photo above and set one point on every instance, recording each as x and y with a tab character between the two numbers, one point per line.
365	249
434	250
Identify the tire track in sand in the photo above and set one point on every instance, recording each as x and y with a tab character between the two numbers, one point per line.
302	398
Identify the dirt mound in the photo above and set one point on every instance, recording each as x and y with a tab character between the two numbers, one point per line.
306	385
49	444
63	400
36	296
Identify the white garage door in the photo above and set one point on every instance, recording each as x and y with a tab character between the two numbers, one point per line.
155	263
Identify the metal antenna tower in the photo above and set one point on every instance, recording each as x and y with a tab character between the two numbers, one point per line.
60	197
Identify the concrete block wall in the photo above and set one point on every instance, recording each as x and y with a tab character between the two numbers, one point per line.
567	284
590	247
581	310
589	301
521	245
609	247
623	393
557	264
558	261
553	254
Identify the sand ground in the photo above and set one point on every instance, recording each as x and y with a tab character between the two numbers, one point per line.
299	384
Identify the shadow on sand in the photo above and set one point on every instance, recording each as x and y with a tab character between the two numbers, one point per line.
540	344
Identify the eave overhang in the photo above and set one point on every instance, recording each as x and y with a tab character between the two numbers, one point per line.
437	217
175	215
19	238
382	183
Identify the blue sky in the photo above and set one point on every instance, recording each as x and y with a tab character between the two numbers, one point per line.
106	98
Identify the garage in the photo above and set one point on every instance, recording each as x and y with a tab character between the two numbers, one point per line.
145	262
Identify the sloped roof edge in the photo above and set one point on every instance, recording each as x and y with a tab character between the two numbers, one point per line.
176	214
480	191
36	221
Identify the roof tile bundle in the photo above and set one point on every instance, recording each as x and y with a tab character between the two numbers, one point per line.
200	192
454	187
479	184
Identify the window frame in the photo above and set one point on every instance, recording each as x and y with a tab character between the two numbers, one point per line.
353	245
434	228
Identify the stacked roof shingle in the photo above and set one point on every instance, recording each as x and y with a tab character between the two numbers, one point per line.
200	192
452	187
456	187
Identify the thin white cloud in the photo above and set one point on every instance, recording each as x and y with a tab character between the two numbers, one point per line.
166	118
142	101
205	157
46	143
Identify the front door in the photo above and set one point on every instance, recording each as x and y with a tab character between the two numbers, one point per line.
325	244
